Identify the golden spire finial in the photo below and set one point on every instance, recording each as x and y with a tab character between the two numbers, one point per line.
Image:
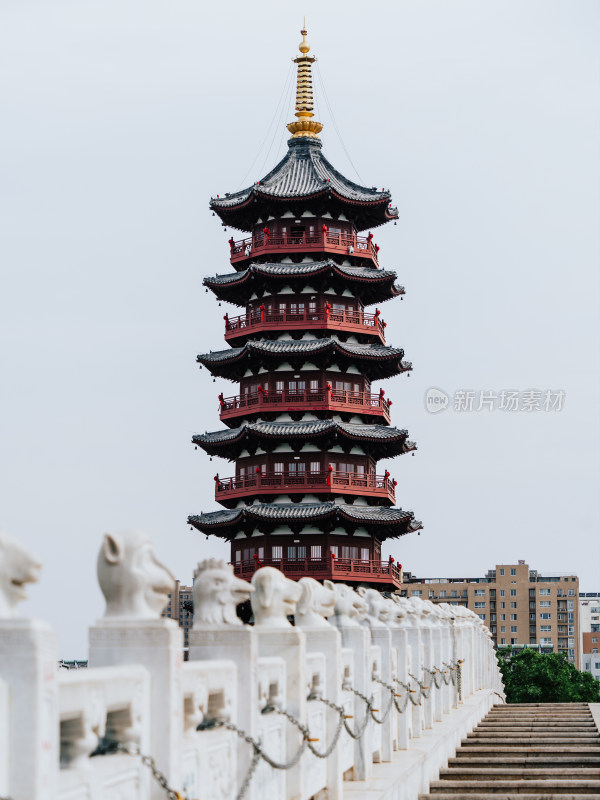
304	126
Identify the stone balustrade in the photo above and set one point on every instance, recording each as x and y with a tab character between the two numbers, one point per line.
362	695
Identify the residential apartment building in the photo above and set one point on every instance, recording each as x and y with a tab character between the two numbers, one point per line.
181	609
589	629
518	604
590	657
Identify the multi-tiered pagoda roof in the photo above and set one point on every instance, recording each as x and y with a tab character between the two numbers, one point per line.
304	176
306	429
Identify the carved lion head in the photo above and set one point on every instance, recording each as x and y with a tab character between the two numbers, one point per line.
18	567
134	583
217	592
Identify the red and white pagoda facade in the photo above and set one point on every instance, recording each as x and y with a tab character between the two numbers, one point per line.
305	426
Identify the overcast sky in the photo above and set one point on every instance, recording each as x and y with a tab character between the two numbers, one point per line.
121	119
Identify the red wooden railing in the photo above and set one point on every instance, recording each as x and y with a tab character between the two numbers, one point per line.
321	318
322	568
322	399
305	482
319	241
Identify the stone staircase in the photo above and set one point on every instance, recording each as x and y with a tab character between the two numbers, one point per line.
526	751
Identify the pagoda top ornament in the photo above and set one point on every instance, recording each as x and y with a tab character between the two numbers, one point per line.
304	180
304	126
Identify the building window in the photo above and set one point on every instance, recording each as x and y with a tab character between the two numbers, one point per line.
545	615
502	616
545	628
443	593
513	628
276	552
481	616
594	649
513	641
502	573
453	593
546	640
545	604
479	592
513	592
571	592
513	571
502	628
480	605
365	554
501	592
513	617
334	550
417	593
431	593
315	552
544	591
493	617
513	604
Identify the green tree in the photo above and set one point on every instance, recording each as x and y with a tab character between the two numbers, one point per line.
532	677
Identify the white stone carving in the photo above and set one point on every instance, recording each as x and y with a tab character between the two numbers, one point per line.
217	593
350	608
18	567
378	611
316	602
134	583
274	598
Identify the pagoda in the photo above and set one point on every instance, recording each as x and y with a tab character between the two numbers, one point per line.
305	428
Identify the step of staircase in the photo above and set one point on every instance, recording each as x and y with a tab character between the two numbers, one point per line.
515	772
527	751
551	761
553	786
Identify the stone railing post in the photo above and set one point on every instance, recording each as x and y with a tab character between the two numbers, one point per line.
350	609
135	586
396	623
28	668
378	613
273	600
218	633
316	602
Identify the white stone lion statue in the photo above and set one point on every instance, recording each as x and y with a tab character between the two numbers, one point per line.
317	601
217	593
350	608
378	611
18	567
274	598
134	583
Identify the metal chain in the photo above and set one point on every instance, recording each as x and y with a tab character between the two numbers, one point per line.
433	672
459	679
357	734
338	730
416	701
392	691
422	686
108	746
453	670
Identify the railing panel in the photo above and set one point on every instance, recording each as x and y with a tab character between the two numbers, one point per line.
334	242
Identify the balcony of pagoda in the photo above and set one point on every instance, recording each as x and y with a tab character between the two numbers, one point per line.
359	249
266	484
336	569
356	323
263	404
